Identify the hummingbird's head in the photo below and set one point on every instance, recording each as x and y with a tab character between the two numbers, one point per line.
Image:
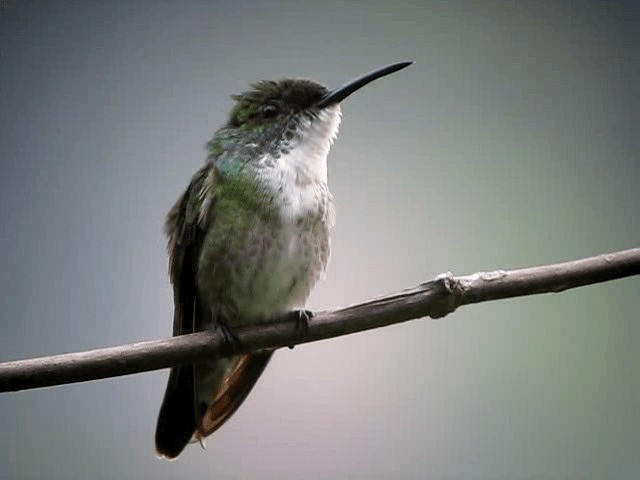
291	123
272	103
285	126
280	115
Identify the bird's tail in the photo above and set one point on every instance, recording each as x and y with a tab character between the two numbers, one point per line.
177	419
200	398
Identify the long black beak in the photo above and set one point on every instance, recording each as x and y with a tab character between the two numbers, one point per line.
339	94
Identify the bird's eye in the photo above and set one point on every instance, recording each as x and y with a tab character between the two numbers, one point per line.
269	111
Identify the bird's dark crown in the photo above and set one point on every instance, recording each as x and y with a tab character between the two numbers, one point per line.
269	100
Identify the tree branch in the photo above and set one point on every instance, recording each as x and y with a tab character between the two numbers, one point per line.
435	298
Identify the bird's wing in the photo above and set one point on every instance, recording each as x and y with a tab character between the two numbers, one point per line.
181	418
186	230
185	226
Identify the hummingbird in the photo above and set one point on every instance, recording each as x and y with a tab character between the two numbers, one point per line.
248	239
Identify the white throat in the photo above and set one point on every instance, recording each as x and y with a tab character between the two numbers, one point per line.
299	177
307	160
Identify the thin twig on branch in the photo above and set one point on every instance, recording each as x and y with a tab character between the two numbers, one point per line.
435	298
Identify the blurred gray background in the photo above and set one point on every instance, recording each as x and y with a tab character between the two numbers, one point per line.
512	141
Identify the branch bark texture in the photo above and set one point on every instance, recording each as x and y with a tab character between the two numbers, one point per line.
435	298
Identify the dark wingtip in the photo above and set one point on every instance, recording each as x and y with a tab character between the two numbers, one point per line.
176	420
170	456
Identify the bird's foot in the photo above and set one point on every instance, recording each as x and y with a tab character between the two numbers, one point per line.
230	336
301	318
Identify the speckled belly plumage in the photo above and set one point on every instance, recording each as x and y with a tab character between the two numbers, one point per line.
254	266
